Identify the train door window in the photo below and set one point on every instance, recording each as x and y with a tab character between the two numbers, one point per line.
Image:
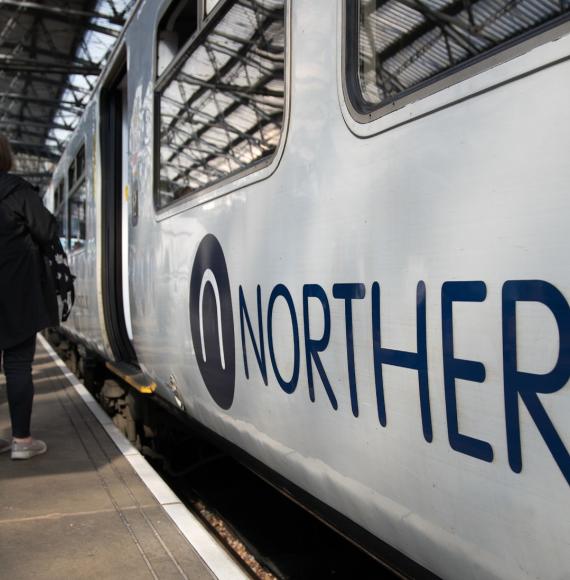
77	221
59	212
395	48
58	196
221	106
77	202
80	164
177	25
71	174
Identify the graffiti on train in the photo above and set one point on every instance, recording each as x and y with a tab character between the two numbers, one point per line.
213	336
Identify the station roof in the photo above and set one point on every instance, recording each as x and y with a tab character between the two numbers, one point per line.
50	56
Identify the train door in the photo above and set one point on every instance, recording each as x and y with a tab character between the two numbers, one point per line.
115	255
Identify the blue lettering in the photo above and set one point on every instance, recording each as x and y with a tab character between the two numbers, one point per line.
259	352
314	346
527	385
281	290
348	293
455	368
402	358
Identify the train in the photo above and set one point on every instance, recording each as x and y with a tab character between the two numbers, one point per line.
332	234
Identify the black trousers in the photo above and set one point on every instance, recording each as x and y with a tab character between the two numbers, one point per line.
17	366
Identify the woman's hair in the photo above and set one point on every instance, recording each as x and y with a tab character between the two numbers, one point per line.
6	158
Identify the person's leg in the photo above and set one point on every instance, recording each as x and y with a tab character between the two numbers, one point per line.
4	445
17	365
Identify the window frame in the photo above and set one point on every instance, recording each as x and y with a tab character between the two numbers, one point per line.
261	169
80	154
59	195
200	17
60	210
71	175
364	113
72	188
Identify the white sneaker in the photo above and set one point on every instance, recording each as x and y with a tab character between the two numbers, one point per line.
28	450
5	446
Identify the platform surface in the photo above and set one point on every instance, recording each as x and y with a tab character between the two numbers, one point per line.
81	511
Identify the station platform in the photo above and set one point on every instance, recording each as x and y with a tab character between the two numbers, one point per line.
92	507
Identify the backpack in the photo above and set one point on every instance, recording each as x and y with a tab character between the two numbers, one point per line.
63	280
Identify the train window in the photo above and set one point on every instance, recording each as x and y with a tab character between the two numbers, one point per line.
80	163
58	196
59	211
71	175
394	47
76	170
176	26
77	217
60	217
77	203
221	107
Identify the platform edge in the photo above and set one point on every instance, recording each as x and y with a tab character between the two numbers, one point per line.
212	553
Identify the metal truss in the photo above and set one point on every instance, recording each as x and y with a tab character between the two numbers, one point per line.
47	72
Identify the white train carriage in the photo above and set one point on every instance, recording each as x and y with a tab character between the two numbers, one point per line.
335	234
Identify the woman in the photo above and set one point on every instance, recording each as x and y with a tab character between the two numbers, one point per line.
28	302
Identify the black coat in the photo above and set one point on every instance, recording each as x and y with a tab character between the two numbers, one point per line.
28	301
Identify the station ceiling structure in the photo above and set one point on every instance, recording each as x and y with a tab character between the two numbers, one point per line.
51	53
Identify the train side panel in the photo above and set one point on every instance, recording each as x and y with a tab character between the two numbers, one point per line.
456	218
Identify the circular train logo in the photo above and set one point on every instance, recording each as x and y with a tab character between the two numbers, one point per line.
212	321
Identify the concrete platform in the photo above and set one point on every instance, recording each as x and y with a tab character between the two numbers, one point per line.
81	510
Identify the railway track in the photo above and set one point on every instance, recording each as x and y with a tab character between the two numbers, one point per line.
272	536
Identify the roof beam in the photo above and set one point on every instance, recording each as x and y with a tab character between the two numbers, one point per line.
66	105
34	42
57	83
7	118
28	124
414	34
34	174
56	55
441	17
25	130
35	70
41	150
59	12
19	64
